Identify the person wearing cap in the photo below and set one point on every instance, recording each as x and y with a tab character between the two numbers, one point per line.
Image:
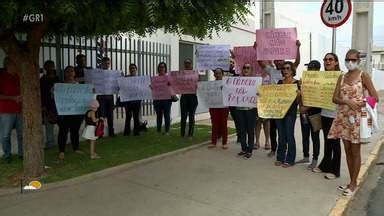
306	127
90	127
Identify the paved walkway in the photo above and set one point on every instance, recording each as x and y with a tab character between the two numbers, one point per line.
197	182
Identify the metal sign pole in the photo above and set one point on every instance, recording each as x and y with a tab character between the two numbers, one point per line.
334	40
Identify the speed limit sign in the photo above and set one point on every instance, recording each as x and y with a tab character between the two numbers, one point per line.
335	13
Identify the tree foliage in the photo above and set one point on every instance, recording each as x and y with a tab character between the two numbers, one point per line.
199	18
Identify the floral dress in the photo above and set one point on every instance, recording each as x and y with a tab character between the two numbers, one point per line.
346	125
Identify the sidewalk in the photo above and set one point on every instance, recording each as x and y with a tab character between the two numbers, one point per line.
200	181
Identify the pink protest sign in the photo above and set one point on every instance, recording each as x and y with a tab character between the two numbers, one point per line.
160	88
276	44
184	82
246	55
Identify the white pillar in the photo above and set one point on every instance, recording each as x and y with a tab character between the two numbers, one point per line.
267	14
362	31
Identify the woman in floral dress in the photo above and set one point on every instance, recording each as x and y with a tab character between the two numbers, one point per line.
349	95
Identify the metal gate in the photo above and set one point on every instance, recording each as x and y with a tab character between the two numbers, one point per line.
121	50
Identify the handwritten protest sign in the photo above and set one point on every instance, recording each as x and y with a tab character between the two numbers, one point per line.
240	91
275	100
318	87
105	81
210	93
276	44
160	88
184	82
134	88
72	99
246	55
209	57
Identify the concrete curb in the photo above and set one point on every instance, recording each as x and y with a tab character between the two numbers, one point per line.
108	171
343	202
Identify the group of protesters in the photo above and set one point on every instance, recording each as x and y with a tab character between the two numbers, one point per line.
341	124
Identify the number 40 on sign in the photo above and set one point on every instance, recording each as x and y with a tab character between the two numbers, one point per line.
335	13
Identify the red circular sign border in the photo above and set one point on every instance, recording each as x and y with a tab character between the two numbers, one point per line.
343	21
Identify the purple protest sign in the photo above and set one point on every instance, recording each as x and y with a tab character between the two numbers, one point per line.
184	82
246	55
160	88
276	44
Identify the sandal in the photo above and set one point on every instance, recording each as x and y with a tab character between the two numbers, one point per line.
286	165
349	192
225	146
211	146
278	163
255	147
342	187
61	156
267	147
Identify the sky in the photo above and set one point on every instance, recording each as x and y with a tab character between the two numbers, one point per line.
309	12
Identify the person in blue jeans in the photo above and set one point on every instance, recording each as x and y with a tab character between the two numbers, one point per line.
10	109
246	122
286	150
163	107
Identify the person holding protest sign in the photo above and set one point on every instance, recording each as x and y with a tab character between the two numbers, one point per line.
188	105
163	107
246	117
132	108
10	109
47	82
350	96
286	150
219	117
261	122
276	75
330	164
306	127
81	62
69	123
90	128
107	102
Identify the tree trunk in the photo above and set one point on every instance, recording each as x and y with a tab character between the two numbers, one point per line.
32	118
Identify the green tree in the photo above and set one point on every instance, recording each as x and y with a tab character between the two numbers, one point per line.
199	18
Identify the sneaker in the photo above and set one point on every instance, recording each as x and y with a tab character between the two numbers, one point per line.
304	160
312	165
286	165
241	153
330	176
317	170
271	154
248	155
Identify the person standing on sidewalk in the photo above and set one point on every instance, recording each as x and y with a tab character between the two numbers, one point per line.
261	122
163	107
246	117
188	105
276	74
286	150
349	95
107	103
219	117
69	123
306	127
90	128
330	164
47	81
10	109
132	108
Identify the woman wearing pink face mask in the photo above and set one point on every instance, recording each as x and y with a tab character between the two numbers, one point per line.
349	95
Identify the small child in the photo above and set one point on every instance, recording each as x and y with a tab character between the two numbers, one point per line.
89	130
